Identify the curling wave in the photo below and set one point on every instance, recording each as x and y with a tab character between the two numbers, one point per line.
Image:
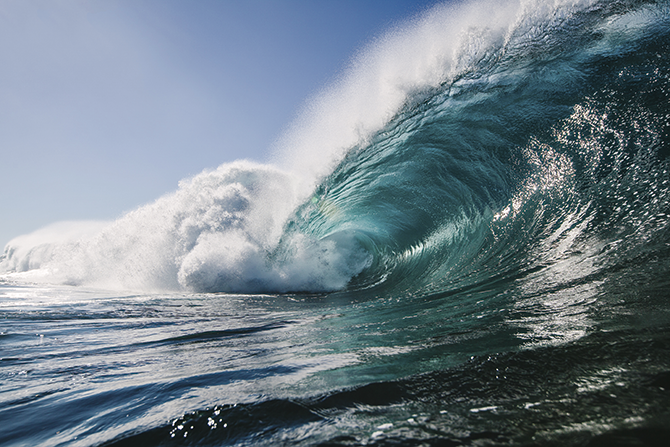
456	151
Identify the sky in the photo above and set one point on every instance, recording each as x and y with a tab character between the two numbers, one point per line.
107	105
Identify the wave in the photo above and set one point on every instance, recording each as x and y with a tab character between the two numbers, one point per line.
475	143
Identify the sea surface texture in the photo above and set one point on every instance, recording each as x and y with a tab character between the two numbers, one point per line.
464	240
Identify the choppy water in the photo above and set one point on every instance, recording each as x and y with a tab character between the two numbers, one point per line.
466	242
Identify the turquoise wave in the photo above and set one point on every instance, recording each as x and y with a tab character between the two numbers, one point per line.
459	148
551	148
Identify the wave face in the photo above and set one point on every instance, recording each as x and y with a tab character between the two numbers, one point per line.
548	155
457	149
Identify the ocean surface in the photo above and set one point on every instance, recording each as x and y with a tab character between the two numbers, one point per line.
464	240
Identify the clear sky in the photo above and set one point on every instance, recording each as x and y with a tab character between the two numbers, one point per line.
106	105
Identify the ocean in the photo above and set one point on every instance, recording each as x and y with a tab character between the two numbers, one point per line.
464	240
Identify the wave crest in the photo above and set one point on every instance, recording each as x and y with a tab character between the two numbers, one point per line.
451	149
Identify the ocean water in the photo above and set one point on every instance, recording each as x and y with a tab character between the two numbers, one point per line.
465	240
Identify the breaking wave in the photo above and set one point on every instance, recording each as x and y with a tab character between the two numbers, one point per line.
476	142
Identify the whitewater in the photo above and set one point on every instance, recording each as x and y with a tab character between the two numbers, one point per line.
464	240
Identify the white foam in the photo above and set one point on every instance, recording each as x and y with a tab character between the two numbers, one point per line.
215	233
31	251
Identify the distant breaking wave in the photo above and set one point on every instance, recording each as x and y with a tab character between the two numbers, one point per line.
476	141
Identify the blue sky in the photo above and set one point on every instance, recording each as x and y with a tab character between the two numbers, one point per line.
106	105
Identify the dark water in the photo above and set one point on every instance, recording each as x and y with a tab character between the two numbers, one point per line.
78	368
491	266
